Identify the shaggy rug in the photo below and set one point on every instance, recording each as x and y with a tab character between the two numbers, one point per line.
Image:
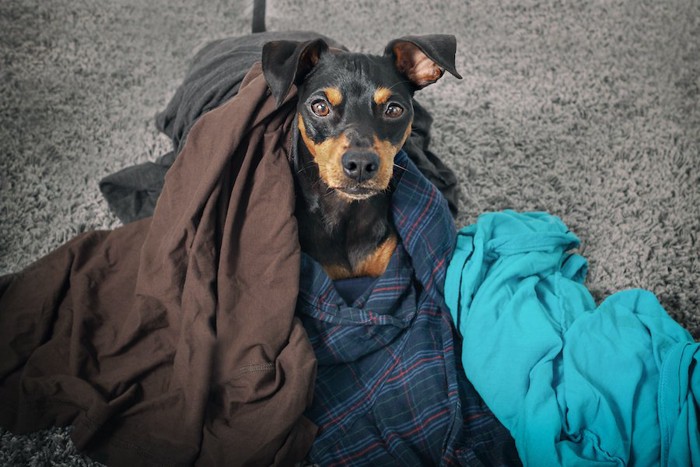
588	110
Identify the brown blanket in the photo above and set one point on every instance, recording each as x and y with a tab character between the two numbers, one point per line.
173	340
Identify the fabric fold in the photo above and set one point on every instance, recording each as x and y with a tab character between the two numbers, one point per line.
172	340
575	383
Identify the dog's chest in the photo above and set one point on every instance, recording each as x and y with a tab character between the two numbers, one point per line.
360	244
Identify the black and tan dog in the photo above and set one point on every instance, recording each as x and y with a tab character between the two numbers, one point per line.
354	114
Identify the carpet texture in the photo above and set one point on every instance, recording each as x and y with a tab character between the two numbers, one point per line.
588	110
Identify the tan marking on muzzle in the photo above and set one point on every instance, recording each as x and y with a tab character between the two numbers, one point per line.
327	155
386	152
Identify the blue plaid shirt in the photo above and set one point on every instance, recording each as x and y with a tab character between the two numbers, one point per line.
389	390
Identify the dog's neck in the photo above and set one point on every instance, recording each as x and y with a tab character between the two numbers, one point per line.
341	231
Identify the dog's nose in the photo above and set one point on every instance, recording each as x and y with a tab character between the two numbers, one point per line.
360	165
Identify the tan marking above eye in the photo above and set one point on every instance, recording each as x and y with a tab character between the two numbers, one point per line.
381	95
334	96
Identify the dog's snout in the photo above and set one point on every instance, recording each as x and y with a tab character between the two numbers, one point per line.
360	165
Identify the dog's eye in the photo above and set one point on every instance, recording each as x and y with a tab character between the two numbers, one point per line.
320	107
394	111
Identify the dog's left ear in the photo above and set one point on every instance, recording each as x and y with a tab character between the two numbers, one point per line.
287	62
424	59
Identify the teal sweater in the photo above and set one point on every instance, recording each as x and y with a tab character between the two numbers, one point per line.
575	383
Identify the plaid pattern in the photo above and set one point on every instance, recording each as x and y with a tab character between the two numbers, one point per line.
389	390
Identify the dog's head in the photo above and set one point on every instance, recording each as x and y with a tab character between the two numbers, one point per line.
355	110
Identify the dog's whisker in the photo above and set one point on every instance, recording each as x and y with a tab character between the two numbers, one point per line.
305	167
329	191
397	83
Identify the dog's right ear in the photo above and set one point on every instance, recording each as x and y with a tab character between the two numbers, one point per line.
288	62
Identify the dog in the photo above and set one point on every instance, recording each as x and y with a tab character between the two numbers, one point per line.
354	114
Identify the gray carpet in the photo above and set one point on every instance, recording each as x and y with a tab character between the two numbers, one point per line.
589	110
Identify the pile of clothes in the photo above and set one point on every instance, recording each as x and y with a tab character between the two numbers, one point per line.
202	334
575	383
199	333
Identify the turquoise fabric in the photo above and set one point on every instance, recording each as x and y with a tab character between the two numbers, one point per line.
575	383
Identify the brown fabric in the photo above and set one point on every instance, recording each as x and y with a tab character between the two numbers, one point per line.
172	340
